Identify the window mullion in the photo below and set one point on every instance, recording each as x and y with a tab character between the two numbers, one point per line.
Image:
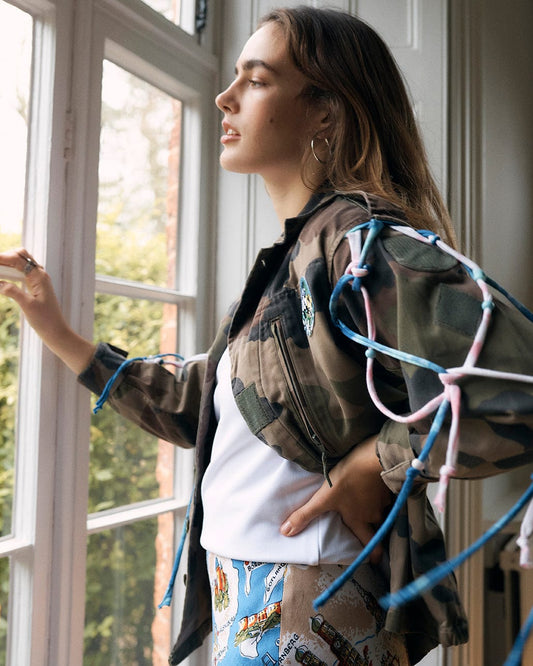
30	567
72	243
104	520
130	289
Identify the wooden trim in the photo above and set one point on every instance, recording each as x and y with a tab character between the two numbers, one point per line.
463	519
465	182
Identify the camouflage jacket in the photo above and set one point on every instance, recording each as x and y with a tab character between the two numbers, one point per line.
300	386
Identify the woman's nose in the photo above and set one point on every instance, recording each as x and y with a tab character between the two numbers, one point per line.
225	100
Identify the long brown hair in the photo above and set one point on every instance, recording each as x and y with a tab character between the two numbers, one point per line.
375	143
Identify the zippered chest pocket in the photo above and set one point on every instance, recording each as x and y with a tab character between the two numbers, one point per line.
301	409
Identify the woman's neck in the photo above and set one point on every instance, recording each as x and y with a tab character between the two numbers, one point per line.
288	199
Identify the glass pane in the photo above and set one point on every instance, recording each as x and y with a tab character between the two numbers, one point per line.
4	596
139	178
169	8
128	569
9	365
128	465
15	68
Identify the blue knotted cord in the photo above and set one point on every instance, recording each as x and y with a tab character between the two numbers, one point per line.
411	475
374	227
518	305
432	237
184	531
515	656
157	358
431	578
367	342
161	360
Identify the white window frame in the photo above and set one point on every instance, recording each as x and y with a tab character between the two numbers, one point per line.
47	550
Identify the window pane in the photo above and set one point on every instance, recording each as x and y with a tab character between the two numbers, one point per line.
190	15
15	67
139	177
128	465
9	364
169	8
4	595
128	569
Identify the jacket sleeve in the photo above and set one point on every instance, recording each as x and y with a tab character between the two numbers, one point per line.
163	404
425	303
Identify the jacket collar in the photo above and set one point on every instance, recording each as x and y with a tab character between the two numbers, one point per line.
374	204
293	225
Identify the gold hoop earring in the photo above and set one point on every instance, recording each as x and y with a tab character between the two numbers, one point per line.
317	158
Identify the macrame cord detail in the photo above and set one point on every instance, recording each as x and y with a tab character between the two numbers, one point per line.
448	401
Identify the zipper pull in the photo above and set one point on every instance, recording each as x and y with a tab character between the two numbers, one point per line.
324	458
325	469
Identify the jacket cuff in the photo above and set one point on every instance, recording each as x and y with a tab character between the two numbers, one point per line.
103	365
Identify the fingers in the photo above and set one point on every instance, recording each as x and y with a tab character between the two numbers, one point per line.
17	264
319	503
365	532
35	296
11	290
29	266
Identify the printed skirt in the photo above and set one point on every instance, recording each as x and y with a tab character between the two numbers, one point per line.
263	614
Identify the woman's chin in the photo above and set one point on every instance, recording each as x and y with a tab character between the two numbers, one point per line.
233	165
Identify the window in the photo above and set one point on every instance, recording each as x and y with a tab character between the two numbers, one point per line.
188	14
116	184
15	69
136	249
170	9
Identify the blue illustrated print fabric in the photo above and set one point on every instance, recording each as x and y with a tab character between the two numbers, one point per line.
263	614
246	610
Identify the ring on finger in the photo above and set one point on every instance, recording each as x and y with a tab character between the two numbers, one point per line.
30	265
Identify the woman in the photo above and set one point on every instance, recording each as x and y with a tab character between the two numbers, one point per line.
318	109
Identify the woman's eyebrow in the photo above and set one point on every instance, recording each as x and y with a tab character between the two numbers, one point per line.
247	65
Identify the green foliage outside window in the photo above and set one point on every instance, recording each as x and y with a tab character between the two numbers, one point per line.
121	563
123	456
4	589
9	342
120	604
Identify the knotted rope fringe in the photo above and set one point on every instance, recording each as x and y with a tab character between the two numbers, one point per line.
450	397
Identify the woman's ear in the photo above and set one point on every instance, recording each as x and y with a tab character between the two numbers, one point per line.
323	114
324	118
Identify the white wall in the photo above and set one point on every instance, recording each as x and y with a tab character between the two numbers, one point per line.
507	144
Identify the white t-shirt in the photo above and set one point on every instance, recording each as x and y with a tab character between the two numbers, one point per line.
249	490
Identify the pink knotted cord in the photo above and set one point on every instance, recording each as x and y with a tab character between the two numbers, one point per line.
424	411
451	392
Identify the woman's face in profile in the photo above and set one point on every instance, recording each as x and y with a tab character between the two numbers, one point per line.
268	123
